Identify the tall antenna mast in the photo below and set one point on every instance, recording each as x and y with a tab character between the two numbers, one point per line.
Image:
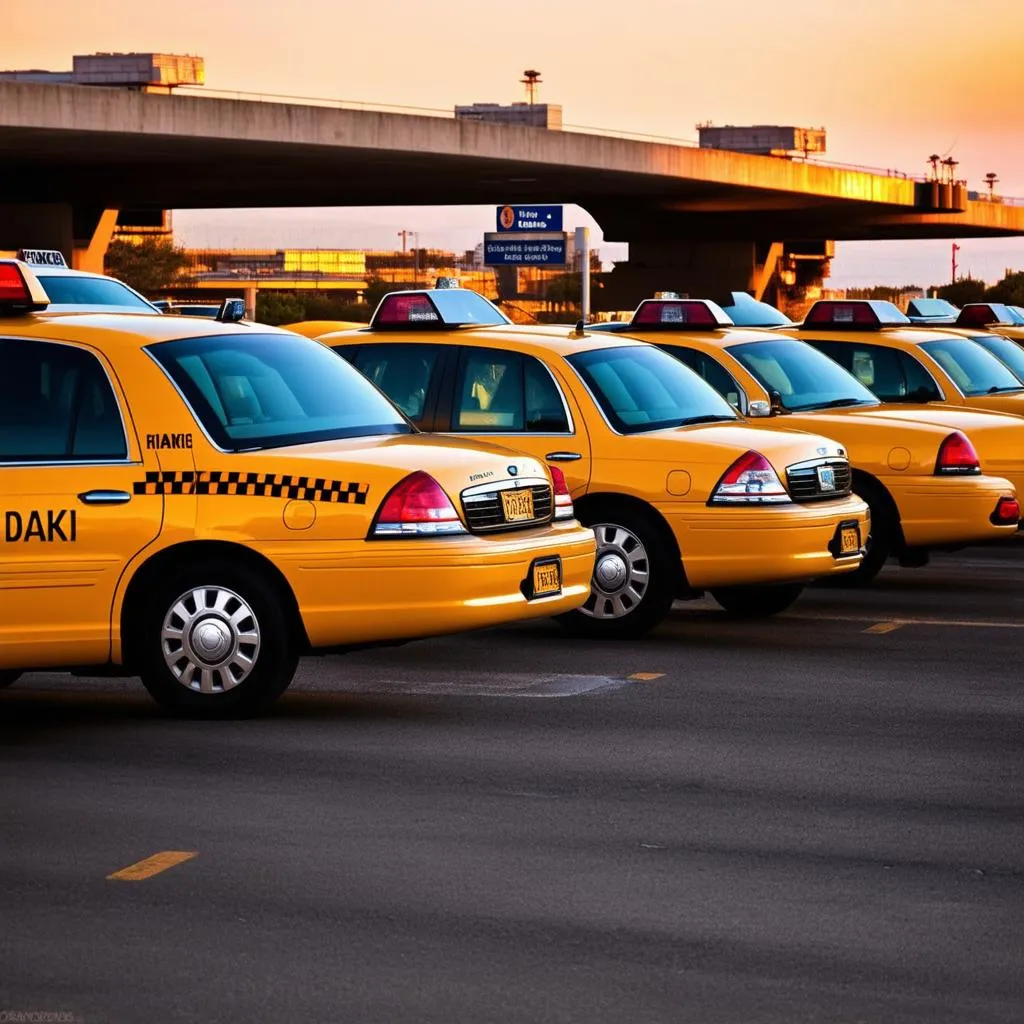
531	80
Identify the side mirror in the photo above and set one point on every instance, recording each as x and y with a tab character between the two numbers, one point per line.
231	311
757	409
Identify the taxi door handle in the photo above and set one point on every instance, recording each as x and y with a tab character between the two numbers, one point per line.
105	498
563	456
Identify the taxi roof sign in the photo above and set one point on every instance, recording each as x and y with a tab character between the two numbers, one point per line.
854	314
676	313
981	314
42	257
436	308
20	290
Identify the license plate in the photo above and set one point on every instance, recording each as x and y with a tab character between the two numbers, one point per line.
849	540
517	505
547	578
826	479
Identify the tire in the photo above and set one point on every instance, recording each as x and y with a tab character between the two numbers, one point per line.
8	676
634	579
250	657
755	602
882	541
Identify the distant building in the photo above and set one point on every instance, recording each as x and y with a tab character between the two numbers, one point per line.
525	115
762	139
141	70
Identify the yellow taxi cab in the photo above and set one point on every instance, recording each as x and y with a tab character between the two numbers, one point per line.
917	468
201	502
684	496
314	328
913	364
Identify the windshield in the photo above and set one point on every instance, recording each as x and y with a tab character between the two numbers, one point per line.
72	290
267	391
1007	352
804	378
641	388
973	370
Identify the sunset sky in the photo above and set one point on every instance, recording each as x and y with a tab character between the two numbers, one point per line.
891	80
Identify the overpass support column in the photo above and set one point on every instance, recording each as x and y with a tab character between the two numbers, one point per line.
82	234
777	272
696	268
38	226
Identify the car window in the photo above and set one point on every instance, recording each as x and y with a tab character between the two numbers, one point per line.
56	405
402	372
973	370
266	391
804	378
712	371
505	391
891	375
1007	352
72	290
641	388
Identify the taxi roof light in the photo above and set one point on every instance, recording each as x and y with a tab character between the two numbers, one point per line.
957	457
854	314
676	313
563	499
20	290
416	507
437	309
981	314
750	480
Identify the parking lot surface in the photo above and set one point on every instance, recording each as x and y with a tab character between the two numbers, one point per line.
816	817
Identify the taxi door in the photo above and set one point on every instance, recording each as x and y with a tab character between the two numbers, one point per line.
514	399
70	517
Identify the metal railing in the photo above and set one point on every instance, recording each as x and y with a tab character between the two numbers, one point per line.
449	115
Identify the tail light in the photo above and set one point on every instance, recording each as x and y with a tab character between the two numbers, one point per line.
1007	512
417	507
563	499
957	457
750	480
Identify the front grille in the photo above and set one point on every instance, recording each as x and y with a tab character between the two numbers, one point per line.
804	480
484	511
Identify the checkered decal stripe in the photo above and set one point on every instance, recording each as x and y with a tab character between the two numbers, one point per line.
260	485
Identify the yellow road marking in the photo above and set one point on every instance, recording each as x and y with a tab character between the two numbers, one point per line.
152	865
645	677
883	627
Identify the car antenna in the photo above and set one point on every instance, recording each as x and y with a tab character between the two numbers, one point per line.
580	330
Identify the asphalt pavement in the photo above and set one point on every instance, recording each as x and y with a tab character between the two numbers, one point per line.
815	818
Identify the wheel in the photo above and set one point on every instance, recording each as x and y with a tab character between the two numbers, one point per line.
634	577
757	602
215	642
8	676
881	541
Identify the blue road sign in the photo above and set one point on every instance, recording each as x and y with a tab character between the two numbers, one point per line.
501	250
529	218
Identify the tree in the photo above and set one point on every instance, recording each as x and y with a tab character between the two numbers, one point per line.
148	266
274	308
1009	290
967	289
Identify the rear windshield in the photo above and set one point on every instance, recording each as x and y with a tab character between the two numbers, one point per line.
804	378
267	391
71	290
973	370
641	388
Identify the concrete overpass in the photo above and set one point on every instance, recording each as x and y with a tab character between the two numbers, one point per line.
694	218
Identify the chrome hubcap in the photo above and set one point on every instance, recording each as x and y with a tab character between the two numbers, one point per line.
621	573
210	639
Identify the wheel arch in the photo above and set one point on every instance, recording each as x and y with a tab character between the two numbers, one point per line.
866	484
590	503
199	552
